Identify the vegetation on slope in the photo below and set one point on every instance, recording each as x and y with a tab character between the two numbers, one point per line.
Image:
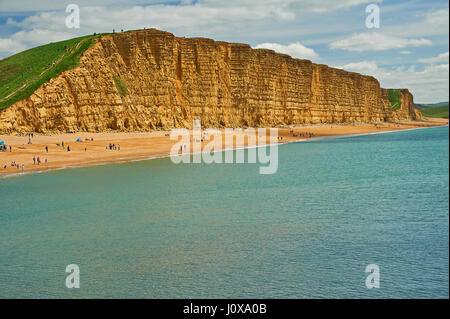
395	97
120	86
23	73
437	111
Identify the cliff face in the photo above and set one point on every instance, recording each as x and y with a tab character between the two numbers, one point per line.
170	81
407	110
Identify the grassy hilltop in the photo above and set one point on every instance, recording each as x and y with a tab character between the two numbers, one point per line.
437	111
426	106
23	73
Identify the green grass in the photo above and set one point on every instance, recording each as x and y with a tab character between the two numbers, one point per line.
23	73
120	86
437	111
395	97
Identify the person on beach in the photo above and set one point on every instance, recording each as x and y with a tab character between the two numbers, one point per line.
46	149
62	144
118	147
68	148
34	160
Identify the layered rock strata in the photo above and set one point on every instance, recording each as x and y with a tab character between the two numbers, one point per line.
150	79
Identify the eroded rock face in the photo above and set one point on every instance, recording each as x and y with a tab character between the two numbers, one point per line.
407	110
170	81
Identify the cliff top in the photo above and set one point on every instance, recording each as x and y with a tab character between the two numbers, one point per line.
23	73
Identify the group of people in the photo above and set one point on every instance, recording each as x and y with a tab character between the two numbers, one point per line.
15	165
203	139
63	147
182	147
4	148
113	147
302	134
30	137
37	160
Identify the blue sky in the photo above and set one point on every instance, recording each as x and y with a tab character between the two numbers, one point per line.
410	49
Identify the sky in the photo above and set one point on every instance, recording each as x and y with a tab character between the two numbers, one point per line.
409	49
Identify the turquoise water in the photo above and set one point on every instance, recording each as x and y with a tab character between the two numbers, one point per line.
153	229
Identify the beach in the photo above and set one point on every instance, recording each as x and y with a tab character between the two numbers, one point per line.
97	148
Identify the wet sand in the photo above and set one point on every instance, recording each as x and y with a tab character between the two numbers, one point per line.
134	146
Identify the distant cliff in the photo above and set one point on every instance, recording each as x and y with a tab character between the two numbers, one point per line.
150	79
407	109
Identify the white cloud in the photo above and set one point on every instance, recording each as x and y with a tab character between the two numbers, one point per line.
199	18
11	46
329	5
443	57
25	39
363	67
295	50
207	13
405	52
307	5
38	36
438	19
374	41
47	5
431	23
427	85
192	18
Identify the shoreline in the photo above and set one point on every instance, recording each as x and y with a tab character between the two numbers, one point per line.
153	145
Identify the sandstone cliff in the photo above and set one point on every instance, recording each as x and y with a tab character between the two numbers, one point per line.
150	79
407	109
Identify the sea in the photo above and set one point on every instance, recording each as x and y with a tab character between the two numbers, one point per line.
350	217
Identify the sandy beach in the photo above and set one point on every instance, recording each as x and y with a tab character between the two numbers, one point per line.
94	147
